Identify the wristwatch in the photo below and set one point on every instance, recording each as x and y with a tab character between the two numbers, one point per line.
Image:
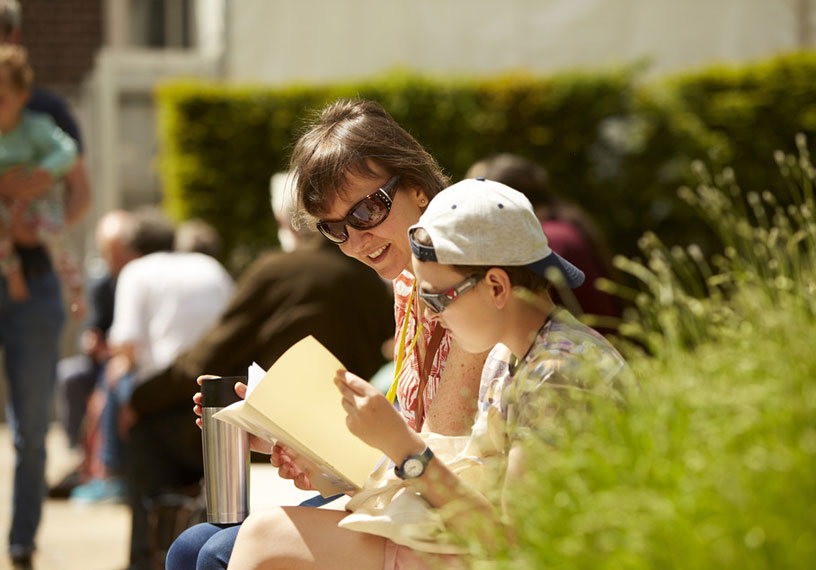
414	465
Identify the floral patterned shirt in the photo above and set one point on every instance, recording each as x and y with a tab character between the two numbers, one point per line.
408	375
568	365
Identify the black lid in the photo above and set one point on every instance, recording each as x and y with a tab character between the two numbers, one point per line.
219	392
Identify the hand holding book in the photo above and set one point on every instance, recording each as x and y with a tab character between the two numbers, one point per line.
373	419
295	404
291	466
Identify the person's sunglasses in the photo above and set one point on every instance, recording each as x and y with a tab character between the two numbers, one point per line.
368	213
438	302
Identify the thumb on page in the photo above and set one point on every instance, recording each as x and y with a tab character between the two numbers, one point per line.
354	382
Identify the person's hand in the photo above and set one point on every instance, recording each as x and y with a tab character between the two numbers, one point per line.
93	344
17	182
24	232
292	466
127	419
117	366
197	398
255	443
373	419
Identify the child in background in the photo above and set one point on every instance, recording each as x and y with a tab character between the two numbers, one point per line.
484	270
31	140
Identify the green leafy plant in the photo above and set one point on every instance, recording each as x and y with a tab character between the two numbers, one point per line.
710	463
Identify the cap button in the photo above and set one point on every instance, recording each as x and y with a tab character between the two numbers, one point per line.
480	178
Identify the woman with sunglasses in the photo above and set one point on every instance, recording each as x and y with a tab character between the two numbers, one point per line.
484	268
362	181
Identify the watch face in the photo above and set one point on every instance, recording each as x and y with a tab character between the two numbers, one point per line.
413	467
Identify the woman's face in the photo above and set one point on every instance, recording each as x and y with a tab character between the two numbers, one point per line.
471	318
385	247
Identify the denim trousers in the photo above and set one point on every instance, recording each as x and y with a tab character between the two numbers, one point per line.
114	448
208	546
77	377
30	335
205	546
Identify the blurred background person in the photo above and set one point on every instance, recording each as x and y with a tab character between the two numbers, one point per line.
79	375
30	331
197	236
32	141
164	301
569	229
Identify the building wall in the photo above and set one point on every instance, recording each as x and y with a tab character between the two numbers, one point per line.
313	40
62	38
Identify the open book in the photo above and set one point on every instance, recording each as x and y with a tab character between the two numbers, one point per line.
297	404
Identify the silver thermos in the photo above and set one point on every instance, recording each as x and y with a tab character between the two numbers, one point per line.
226	454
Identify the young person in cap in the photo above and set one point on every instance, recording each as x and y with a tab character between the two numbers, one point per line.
484	269
570	231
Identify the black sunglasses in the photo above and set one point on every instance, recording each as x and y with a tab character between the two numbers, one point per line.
368	213
438	302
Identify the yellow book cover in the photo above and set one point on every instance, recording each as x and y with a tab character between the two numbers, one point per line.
297	404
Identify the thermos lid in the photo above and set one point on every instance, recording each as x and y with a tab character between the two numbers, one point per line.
219	392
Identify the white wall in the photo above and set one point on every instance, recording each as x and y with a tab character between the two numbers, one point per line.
316	40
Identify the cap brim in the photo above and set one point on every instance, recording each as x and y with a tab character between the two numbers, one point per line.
421	252
573	276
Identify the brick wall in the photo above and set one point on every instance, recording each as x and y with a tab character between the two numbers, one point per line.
62	37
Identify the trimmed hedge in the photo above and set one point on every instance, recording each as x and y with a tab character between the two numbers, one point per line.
617	145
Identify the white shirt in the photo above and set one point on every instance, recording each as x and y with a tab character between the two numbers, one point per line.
164	302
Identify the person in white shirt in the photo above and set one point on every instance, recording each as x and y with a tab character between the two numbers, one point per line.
165	300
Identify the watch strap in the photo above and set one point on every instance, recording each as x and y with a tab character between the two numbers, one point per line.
424	458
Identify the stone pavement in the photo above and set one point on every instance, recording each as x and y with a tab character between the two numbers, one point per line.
96	537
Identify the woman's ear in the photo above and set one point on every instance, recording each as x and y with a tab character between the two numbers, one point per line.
500	286
420	197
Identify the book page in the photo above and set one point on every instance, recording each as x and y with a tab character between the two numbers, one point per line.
323	477
254	375
300	399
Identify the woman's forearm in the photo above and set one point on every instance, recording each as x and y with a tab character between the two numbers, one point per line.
454	406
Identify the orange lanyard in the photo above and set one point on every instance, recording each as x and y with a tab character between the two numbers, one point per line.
392	391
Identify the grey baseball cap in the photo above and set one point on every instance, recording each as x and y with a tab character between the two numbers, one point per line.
483	222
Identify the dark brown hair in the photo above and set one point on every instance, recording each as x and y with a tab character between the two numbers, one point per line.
14	67
149	232
344	136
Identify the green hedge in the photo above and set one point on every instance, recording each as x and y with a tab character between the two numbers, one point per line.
616	144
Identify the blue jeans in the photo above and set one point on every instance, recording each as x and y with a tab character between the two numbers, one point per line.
77	376
207	546
30	334
114	449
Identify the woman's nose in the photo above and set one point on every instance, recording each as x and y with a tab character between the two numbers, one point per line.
357	239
